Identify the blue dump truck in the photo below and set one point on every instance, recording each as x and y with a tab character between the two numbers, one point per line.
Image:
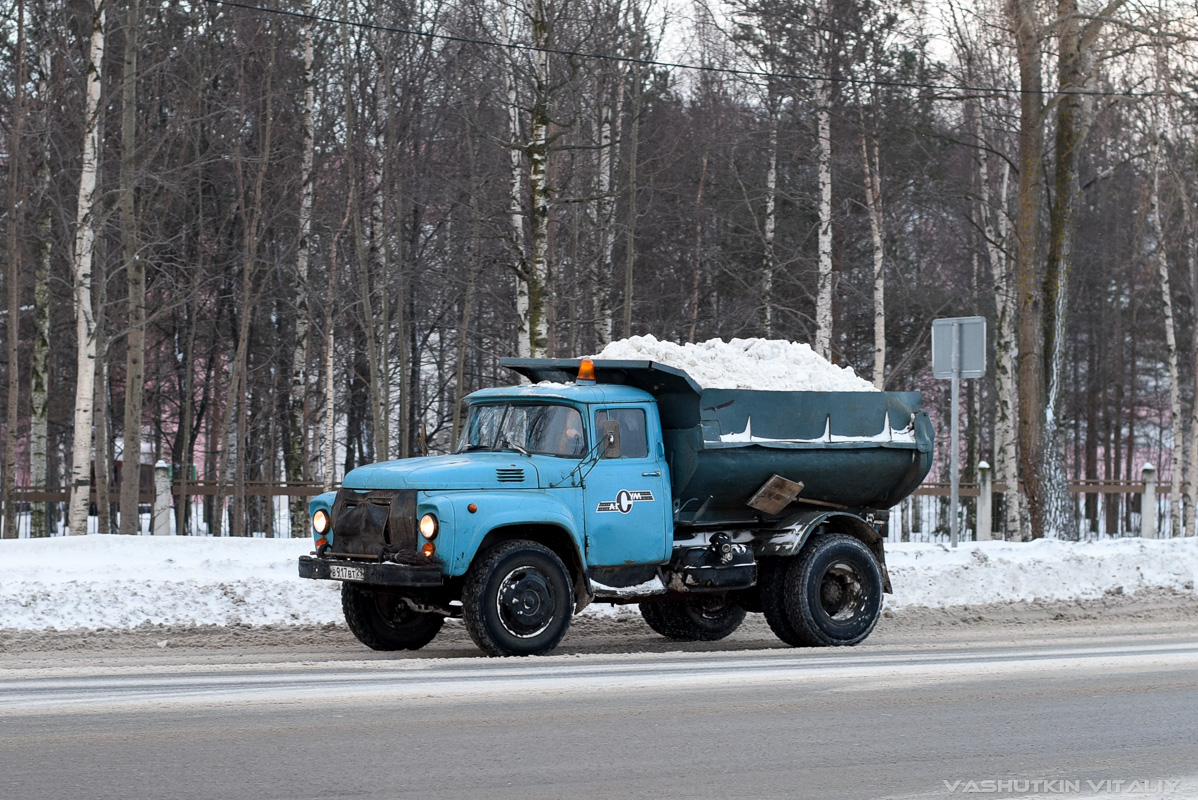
627	482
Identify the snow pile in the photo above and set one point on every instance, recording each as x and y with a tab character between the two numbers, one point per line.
763	364
934	576
126	581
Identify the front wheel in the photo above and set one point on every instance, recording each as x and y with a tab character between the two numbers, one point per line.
700	618
833	592
384	622
517	600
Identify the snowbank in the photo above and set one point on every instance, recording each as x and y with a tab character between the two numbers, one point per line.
764	364
122	582
935	576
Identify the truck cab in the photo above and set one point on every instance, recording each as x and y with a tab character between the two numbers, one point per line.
591	483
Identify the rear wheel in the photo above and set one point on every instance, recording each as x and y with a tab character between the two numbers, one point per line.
384	622
771	584
517	600
700	618
834	592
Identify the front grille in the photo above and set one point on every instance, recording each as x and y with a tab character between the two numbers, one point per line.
514	475
374	523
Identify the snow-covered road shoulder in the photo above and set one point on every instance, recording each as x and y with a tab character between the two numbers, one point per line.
121	582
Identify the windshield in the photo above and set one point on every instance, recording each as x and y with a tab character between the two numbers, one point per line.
554	430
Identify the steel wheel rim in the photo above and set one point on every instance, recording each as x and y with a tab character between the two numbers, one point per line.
842	592
525	602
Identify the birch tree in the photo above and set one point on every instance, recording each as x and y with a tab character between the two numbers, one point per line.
873	206
1156	122
770	224
39	362
823	298
540	194
13	279
297	402
85	239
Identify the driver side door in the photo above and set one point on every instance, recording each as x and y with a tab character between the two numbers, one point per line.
628	512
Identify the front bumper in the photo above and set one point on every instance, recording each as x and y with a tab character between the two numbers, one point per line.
375	573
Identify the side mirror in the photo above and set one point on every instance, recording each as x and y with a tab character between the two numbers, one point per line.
610	431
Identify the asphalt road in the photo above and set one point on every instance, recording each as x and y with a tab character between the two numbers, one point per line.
1098	716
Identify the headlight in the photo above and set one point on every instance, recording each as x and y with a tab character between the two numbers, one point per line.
321	522
428	526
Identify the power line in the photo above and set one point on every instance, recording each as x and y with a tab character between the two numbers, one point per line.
648	62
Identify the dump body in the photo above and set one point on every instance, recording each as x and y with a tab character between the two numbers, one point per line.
852	449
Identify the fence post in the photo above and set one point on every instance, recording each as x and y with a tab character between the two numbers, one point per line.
985	503
160	520
1148	503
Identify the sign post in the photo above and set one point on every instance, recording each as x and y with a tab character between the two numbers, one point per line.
958	351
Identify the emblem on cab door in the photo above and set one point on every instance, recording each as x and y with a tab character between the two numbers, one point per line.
623	502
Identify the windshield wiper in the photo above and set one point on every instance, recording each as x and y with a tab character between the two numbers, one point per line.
506	442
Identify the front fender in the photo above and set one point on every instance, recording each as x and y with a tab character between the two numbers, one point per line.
499	509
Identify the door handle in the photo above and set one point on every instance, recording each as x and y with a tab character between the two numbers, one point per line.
650	474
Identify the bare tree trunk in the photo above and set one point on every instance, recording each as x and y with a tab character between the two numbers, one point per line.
873	204
996	229
1192	494
239	395
102	463
823	302
1162	266
396	246
538	183
516	207
1033	439
9	485
182	508
39	373
697	273
634	141
330	378
85	324
135	277
1042	292
468	302
362	264
296	404
605	213
380	232
771	215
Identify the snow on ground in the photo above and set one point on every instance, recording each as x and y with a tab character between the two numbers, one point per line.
762	364
936	576
122	582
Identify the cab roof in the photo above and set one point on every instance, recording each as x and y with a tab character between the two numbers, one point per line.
573	392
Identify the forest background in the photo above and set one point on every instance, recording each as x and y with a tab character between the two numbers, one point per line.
272	243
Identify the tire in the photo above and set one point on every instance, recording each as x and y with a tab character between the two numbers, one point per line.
834	592
517	600
702	618
771	585
384	622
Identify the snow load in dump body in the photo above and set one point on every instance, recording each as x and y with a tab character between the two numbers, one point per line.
865	449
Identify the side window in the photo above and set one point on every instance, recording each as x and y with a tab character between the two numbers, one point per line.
634	439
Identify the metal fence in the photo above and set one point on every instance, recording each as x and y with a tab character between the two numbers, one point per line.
1102	510
266	507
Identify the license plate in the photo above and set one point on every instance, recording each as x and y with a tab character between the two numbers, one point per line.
340	573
